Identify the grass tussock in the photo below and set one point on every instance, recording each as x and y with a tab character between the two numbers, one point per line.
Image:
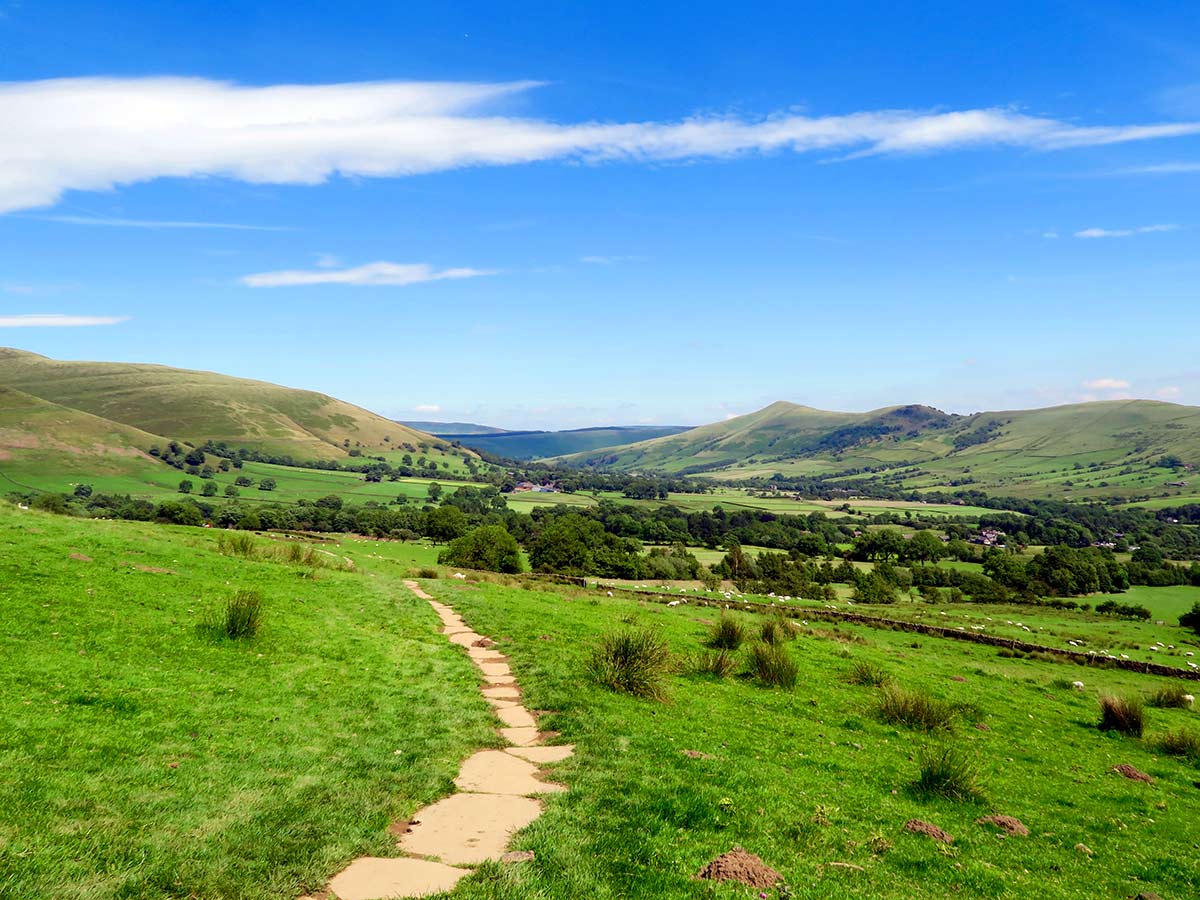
1125	715
1180	742
237	544
868	674
1169	696
721	663
776	631
295	553
727	634
239	619
772	665
914	709
427	573
634	661
947	772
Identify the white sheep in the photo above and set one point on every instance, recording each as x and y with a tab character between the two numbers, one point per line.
1189	699
1078	685
673	603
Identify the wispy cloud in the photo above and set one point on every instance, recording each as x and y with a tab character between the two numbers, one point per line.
57	320
376	273
327	261
427	408
1123	232
98	133
607	260
106	222
1171	168
1107	384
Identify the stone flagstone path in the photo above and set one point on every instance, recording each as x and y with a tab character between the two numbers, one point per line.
496	796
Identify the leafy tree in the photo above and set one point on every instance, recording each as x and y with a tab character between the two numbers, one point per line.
244	481
185	486
267	484
1191	618
83	491
210	489
434	492
231	490
489	547
446	523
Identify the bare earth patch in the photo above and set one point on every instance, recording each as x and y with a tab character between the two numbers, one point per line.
916	826
738	865
696	754
81	557
1131	773
1008	824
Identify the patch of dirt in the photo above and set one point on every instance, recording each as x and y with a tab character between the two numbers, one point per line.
982	726
1132	774
399	829
515	856
916	826
484	642
738	865
1007	824
696	754
957	678
81	557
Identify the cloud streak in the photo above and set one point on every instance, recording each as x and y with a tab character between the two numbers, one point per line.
371	274
1092	233
106	222
98	133
57	320
1107	384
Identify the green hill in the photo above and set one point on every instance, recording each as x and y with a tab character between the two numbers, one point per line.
456	429
541	444
195	406
1110	448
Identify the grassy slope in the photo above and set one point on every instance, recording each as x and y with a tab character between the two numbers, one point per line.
539	444
1035	452
200	406
142	761
808	777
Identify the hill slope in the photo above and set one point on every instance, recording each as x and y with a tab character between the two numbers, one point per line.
540	444
200	406
1106	448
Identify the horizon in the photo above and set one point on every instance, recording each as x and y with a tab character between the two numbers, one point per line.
577	218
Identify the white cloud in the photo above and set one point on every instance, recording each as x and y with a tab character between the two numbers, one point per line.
376	273
607	260
97	133
107	222
1123	232
57	320
327	261
1107	384
1172	168
427	408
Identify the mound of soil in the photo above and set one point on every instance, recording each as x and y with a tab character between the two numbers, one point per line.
982	726
738	865
1131	773
1008	824
484	642
916	826
81	557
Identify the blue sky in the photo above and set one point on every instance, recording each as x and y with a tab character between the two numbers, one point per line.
572	214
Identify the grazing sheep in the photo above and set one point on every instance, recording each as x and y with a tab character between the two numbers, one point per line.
1078	685
673	603
1189	699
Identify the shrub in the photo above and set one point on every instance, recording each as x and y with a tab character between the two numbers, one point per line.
1191	618
1123	714
868	675
916	709
634	661
727	634
720	663
772	664
1169	696
488	547
427	573
243	615
947	772
1180	743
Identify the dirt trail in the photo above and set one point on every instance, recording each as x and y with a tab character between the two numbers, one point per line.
497	792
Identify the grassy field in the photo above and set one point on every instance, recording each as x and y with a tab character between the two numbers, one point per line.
810	777
142	758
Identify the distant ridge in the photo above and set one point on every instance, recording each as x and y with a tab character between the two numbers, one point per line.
540	444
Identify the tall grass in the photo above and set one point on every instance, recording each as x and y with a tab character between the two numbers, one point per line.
294	553
237	544
634	661
727	634
1169	696
914	709
1123	714
773	665
1180	742
243	615
868	675
947	772
776	631
720	663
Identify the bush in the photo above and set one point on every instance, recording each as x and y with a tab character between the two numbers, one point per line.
1180	743
243	615
772	664
634	661
915	709
1191	618
427	573
1169	696
237	545
946	772
1123	714
720	663
727	634
868	675
489	547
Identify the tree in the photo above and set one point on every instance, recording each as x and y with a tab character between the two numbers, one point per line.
925	546
210	489
446	523
434	491
1191	618
267	484
185	486
83	491
231	490
488	547
244	481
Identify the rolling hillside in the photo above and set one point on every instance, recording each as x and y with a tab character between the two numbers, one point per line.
1109	448
196	406
541	444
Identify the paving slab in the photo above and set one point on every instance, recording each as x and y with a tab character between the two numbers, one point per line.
382	878
497	772
465	829
557	753
502	693
520	736
516	717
